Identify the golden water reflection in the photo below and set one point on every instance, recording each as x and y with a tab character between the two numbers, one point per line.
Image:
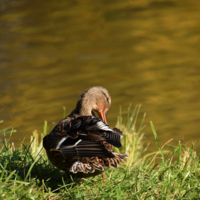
144	52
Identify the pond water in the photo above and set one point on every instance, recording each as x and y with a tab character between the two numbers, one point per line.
144	52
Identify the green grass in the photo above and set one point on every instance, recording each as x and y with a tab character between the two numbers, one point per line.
25	172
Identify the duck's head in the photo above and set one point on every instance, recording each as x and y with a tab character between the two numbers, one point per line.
94	99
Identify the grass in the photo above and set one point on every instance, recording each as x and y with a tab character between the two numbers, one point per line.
25	172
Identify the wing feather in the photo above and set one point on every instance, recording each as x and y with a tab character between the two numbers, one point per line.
84	149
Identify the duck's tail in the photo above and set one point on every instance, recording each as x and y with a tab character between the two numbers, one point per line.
97	164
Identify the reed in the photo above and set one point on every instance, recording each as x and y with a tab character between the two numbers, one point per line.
132	140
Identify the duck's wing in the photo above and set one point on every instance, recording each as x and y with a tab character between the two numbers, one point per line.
86	136
90	127
96	126
84	148
67	128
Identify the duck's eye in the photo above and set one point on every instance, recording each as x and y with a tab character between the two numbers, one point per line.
106	97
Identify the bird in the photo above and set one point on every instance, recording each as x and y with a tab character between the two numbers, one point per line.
82	143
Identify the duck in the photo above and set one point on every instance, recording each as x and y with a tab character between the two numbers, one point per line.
82	143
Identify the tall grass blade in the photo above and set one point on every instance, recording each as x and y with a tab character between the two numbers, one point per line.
45	128
156	138
179	153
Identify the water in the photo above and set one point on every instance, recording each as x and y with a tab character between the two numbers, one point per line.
144	52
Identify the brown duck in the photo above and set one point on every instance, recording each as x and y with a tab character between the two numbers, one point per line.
82	143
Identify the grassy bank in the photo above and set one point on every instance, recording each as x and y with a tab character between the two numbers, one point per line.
25	172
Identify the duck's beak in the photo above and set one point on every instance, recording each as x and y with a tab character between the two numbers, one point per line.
103	116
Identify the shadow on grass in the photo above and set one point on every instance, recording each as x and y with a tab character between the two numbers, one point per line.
22	166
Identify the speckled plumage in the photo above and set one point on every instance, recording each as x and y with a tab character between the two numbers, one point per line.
82	143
